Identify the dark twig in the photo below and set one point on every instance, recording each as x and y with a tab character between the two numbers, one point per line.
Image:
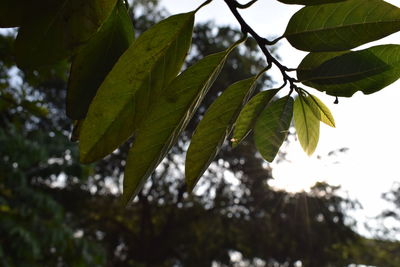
243	6
262	43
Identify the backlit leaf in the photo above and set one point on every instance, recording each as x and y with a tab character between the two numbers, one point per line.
320	110
367	70
54	30
149	64
95	60
343	25
309	2
249	114
167	118
213	129
272	127
307	125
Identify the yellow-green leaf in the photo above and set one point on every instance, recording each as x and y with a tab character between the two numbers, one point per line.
307	125
320	110
149	64
213	129
95	60
272	127
167	118
249	114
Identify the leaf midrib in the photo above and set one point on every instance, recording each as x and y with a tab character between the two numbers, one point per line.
131	96
354	74
340	27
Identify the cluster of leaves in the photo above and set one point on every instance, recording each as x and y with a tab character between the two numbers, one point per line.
119	88
60	221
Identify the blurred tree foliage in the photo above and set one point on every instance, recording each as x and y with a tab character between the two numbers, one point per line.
56	212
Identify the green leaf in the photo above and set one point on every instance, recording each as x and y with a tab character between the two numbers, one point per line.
95	60
367	70
148	65
11	13
307	125
320	110
54	30
272	127
166	120
213	129
309	2
343	25
249	114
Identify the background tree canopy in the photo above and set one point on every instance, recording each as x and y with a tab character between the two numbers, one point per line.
56	211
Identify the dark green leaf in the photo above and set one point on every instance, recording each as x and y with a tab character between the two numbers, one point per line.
166	120
320	110
272	127
343	25
95	60
249	114
11	13
214	128
148	65
54	30
307	125
367	70
309	2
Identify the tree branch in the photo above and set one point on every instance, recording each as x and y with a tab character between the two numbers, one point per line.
262	42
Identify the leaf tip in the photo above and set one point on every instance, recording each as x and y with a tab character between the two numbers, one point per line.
235	142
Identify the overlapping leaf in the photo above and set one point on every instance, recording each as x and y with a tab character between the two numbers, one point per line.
167	118
306	124
53	30
95	60
343	25
309	2
320	110
272	127
367	70
249	114
149	64
214	128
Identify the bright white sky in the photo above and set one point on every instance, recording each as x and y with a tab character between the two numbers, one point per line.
367	125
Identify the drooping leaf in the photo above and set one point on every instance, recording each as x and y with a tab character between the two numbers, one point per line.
166	120
320	110
149	64
249	114
367	70
272	127
11	13
343	25
54	30
307	125
309	2
95	60
213	129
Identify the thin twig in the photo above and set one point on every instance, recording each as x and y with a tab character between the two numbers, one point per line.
262	43
243	6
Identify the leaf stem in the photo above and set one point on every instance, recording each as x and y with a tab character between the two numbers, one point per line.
202	5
